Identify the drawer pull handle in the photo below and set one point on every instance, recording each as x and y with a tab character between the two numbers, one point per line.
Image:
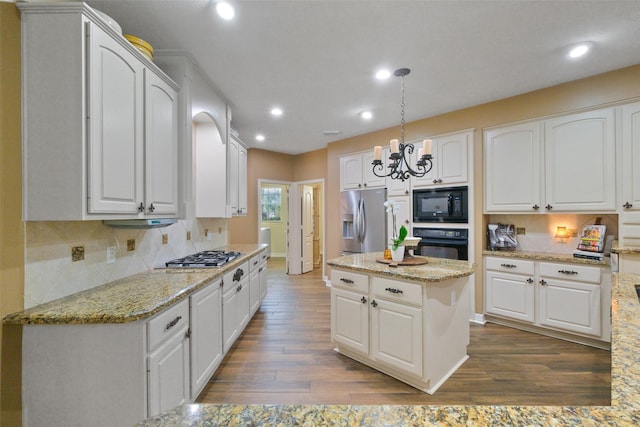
363	300
394	290
349	281
567	272
508	265
255	262
173	323
238	275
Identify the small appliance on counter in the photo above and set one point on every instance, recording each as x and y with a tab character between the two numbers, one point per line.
501	237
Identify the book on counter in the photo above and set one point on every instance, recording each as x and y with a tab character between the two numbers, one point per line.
592	242
597	256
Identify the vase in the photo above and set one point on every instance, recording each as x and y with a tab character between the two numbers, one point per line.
397	255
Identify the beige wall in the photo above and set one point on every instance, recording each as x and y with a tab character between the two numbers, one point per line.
613	87
11	225
310	166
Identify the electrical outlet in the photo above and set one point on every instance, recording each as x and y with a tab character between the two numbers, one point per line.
206	232
188	235
520	230
131	244
111	254
219	230
165	239
77	253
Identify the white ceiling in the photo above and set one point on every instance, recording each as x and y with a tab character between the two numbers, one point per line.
316	59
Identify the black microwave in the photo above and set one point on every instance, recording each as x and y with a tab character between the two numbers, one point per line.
440	205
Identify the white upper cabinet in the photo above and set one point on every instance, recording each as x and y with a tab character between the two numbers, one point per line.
564	164
450	160
237	178
100	121
631	157
356	172
512	168
580	162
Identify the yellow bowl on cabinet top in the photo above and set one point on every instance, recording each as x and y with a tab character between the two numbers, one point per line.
142	45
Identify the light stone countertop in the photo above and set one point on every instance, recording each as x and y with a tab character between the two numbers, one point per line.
546	256
616	249
435	270
129	299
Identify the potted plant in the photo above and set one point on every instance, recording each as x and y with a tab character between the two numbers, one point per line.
398	236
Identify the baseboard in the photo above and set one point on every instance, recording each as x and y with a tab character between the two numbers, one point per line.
478	318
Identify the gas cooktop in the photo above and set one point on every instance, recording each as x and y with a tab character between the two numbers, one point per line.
204	259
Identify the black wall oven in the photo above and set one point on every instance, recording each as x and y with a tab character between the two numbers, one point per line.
446	204
451	243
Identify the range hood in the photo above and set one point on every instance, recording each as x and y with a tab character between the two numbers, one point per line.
140	223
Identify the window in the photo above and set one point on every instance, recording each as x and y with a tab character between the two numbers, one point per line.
271	203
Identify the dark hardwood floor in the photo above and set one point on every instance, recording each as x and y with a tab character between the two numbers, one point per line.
285	356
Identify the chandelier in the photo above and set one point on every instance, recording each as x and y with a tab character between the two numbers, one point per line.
399	166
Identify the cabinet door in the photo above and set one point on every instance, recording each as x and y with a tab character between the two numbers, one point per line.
431	177
510	295
161	146
572	306
351	172
263	279
242	180
631	157
350	320
452	159
396	340
512	168
230	325
206	335
169	374
243	305
370	180
232	167
395	187
115	123
254	289
580	162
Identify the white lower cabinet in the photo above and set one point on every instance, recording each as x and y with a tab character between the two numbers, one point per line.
414	332
206	335
568	298
262	270
235	304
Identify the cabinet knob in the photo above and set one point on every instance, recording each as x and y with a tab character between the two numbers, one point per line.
529	280
359	185
188	334
141	207
363	300
406	192
543	282
548	207
152	208
365	184
536	207
435	181
627	205
374	303
406	221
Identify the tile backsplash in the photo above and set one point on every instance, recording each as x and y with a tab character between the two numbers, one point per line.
540	229
50	272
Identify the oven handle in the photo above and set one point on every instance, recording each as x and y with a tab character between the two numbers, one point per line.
441	242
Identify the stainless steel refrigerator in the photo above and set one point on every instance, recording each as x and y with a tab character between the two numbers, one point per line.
364	225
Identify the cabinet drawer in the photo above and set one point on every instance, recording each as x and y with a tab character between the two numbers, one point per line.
254	262
348	280
408	293
580	273
166	323
517	266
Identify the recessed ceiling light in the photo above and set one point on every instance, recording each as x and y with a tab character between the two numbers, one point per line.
276	111
260	137
580	50
225	10
383	74
366	115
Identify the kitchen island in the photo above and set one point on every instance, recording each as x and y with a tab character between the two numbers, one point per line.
408	321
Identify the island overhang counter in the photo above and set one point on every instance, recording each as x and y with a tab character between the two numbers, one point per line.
410	322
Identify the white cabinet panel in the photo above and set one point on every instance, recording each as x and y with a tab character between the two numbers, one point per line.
350	320
510	295
573	306
237	176
450	160
356	172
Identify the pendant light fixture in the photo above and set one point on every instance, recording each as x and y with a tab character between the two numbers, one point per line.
400	157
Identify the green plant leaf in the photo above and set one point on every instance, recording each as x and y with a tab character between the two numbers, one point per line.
403	234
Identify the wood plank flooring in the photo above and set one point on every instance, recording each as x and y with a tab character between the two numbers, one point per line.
285	356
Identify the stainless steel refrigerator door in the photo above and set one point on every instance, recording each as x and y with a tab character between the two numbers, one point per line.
374	220
349	202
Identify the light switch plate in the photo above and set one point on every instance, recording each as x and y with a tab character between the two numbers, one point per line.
111	254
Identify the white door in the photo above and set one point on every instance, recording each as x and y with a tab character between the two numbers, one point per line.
307	228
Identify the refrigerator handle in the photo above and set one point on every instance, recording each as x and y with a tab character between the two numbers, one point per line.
363	221
356	222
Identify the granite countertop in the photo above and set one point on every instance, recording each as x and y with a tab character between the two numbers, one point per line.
133	298
435	270
624	409
546	256
617	249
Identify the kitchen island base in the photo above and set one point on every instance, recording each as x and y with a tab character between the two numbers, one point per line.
416	331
